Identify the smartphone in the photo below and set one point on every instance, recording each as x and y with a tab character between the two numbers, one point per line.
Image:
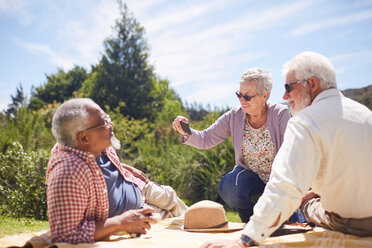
185	127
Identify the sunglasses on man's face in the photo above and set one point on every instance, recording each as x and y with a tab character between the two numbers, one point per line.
288	86
247	98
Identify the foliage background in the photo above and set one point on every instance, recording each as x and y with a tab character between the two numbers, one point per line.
141	104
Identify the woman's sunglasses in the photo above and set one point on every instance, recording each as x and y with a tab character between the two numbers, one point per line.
247	98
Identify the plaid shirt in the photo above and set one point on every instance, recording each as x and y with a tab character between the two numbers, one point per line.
77	193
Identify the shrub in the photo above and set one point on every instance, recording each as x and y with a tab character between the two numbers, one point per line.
129	132
213	164
22	182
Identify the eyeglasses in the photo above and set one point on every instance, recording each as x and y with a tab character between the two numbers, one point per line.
288	86
108	124
247	98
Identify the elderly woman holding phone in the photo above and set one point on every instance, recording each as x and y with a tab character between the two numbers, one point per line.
257	129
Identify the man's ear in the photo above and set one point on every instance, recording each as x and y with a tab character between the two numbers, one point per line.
314	84
82	138
315	88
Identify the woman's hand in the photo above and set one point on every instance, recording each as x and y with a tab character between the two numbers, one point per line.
177	124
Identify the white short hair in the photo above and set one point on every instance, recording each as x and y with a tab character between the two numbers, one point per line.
308	64
261	76
69	119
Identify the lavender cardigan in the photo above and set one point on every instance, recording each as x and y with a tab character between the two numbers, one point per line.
232	123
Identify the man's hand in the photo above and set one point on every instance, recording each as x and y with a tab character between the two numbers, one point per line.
223	244
131	221
137	173
310	194
136	221
177	124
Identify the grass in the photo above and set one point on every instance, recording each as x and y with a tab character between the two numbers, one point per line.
10	225
232	216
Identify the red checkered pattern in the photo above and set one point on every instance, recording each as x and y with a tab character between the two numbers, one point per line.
77	193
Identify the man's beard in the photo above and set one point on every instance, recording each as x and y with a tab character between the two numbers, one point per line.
303	103
115	143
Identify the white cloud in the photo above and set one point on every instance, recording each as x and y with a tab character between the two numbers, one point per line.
204	54
271	17
360	56
16	8
212	93
174	16
79	39
351	62
332	22
363	2
86	36
45	50
341	69
141	8
198	45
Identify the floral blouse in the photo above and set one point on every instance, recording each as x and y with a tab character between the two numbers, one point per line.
258	150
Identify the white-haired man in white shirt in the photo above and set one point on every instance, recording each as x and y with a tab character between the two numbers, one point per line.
327	148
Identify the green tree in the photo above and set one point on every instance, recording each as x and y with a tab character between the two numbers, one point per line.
27	127
171	104
124	77
17	101
58	88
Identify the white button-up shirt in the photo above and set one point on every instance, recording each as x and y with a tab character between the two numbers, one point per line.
327	147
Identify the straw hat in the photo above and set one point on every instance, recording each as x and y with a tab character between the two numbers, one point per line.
208	216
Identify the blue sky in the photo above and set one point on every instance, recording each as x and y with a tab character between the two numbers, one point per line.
201	47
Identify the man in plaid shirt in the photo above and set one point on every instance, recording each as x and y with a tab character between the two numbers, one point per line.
91	194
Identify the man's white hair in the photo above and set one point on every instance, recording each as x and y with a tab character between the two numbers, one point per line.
69	119
261	76
308	64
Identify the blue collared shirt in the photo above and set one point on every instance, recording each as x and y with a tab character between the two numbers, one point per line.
122	195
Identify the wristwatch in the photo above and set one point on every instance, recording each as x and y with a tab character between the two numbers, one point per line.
247	241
